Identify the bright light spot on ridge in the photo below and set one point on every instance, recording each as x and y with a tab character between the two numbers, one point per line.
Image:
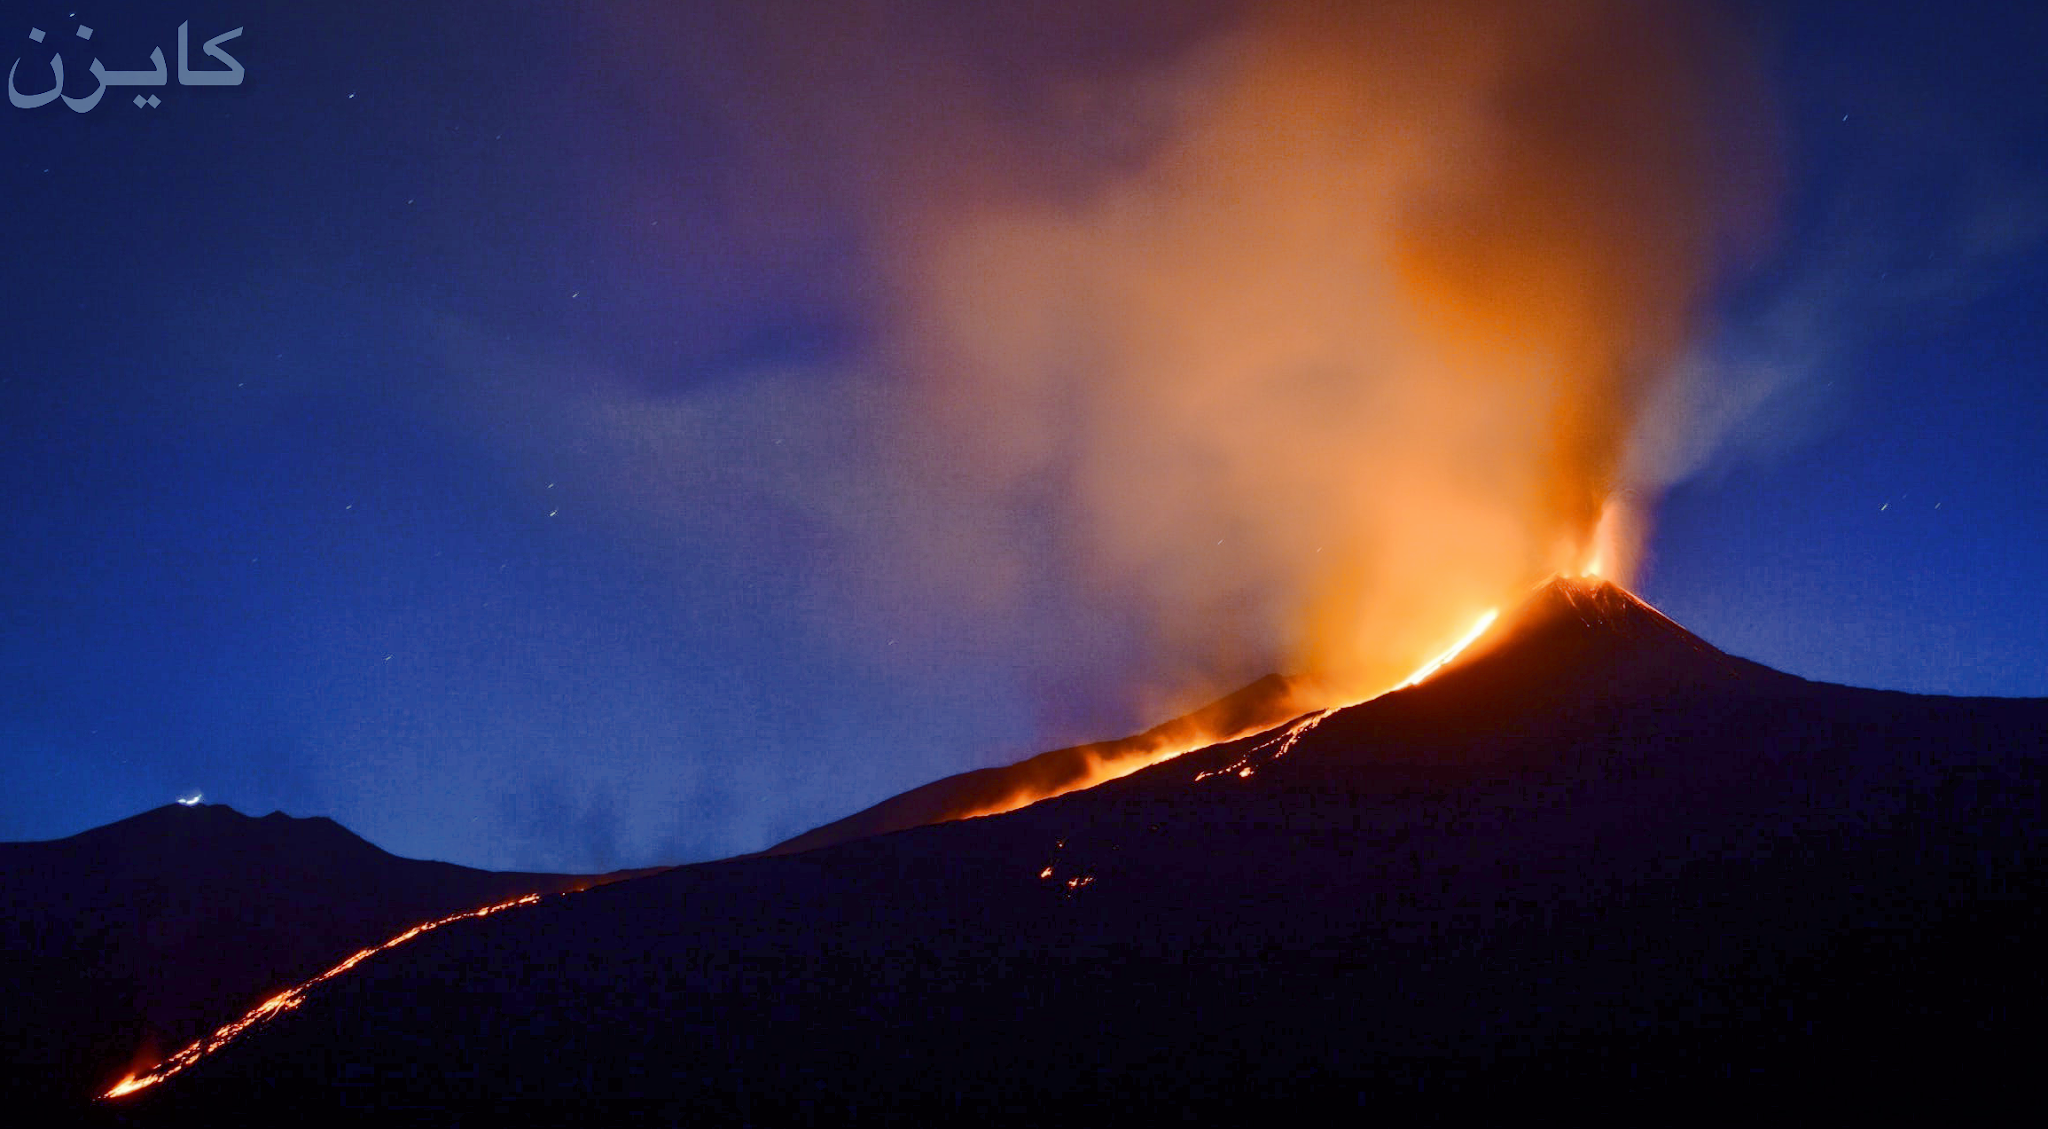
192	800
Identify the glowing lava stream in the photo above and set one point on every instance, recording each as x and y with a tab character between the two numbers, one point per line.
1437	663
287	1000
1243	768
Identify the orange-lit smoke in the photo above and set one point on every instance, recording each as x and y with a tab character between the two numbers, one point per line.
1616	547
1310	329
1359	344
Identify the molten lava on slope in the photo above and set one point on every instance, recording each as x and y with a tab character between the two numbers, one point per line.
1590	847
287	1000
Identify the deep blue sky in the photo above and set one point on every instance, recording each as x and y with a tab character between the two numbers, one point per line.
294	517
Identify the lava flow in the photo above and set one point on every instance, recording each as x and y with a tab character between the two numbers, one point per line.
1282	708
287	1000
1243	768
1457	648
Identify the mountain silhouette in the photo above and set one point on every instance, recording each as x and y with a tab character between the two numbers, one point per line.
128	941
1593	853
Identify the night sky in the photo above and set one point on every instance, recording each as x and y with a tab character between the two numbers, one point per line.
464	428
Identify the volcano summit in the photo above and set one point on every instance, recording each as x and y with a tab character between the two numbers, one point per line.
1592	851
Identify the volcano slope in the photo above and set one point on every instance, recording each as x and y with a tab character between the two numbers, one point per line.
1597	852
126	942
1260	706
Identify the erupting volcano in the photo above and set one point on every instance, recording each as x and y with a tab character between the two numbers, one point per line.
743	433
1586	845
1270	702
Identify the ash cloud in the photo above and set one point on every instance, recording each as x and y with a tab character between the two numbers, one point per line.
1295	334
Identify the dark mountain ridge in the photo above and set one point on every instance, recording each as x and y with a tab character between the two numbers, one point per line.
128	941
1594	852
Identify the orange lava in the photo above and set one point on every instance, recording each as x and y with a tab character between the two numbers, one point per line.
1246	765
1243	767
1437	663
287	1000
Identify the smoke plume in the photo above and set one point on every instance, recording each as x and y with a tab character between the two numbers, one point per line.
1304	331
